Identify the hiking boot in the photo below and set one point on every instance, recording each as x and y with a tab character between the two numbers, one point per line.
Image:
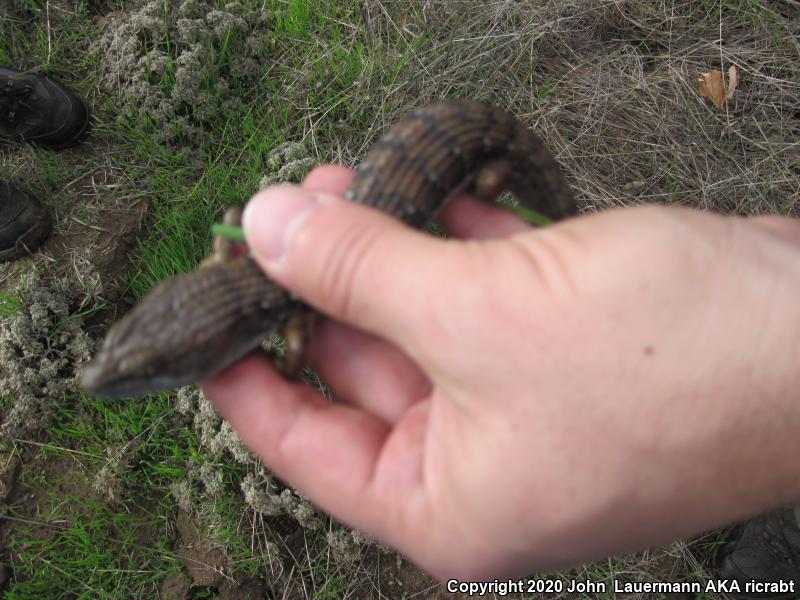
24	223
35	108
764	550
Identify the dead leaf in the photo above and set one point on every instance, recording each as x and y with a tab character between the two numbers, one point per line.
733	79
712	86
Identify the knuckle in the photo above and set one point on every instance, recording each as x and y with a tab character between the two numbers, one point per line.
344	265
551	256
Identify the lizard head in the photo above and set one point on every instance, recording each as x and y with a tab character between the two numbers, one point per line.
188	329
131	360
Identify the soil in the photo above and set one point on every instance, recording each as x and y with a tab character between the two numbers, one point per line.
9	473
96	227
202	560
175	587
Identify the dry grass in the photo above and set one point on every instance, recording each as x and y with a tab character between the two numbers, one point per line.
612	86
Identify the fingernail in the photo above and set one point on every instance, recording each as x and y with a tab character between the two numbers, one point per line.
272	217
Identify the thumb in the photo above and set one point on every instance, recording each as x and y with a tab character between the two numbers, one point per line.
349	261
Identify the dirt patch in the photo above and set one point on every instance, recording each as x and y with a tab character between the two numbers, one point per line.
97	217
56	500
245	589
98	250
175	587
97	224
202	559
178	586
204	562
29	505
399	578
10	465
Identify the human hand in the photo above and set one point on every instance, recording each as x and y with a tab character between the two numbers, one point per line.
518	399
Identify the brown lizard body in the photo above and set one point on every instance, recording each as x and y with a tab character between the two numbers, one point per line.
192	326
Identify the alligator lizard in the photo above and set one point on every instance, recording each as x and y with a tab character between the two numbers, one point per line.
192	326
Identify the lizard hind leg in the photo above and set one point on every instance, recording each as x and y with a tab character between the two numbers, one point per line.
492	180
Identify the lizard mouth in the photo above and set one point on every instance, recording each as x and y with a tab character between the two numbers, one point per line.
93	381
100	382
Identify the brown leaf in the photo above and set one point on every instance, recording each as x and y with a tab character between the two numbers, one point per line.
712	86
733	79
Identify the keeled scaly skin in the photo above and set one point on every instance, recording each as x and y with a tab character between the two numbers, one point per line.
191	327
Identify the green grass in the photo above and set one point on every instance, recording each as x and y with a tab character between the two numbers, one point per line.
82	548
10	305
80	545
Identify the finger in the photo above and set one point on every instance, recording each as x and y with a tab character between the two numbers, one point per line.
329	178
347	462
351	262
468	217
366	371
359	368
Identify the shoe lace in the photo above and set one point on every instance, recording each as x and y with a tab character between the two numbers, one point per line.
13	98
